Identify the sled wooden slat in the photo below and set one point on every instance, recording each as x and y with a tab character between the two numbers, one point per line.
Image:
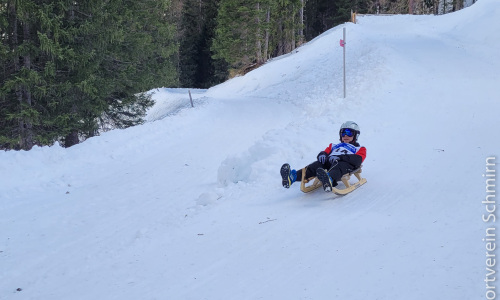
306	189
345	180
350	187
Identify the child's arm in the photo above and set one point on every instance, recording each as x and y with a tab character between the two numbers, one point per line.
354	159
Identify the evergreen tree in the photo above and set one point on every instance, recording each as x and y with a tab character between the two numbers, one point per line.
343	10
318	17
190	43
237	34
250	31
286	26
72	69
131	54
197	67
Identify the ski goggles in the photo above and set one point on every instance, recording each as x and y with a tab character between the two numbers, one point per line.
347	131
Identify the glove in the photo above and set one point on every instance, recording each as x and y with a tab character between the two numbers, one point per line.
332	159
322	157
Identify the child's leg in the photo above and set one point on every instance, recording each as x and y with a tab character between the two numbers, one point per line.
340	170
310	170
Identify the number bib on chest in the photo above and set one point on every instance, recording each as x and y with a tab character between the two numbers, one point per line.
344	148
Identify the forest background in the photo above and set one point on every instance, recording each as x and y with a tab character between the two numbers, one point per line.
72	69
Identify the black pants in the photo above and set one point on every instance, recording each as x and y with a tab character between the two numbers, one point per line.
339	169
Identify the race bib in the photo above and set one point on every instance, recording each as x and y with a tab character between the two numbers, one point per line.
344	148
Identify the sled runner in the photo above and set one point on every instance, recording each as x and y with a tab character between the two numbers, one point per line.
316	183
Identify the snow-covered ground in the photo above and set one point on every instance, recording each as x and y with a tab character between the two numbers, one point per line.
190	205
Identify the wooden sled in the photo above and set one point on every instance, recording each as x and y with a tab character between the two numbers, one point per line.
316	183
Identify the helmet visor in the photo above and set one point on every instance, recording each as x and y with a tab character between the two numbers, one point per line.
347	131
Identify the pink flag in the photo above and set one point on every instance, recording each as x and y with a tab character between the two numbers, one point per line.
342	43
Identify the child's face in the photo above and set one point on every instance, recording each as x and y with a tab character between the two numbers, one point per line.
347	139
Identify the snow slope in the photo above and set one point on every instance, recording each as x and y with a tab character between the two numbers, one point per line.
190	205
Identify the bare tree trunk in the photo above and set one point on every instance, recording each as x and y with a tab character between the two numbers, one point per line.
445	6
258	43
71	139
292	34
279	33
301	30
23	95
458	5
17	67
27	137
266	40
200	9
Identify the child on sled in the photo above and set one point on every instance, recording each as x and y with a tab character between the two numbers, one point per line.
332	163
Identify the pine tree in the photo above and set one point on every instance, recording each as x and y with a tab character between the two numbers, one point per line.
237	33
131	54
317	18
72	69
197	67
286	25
191	43
250	31
26	76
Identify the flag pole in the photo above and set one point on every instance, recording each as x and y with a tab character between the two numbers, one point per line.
343	46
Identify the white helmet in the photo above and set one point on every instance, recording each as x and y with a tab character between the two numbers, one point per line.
350	125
